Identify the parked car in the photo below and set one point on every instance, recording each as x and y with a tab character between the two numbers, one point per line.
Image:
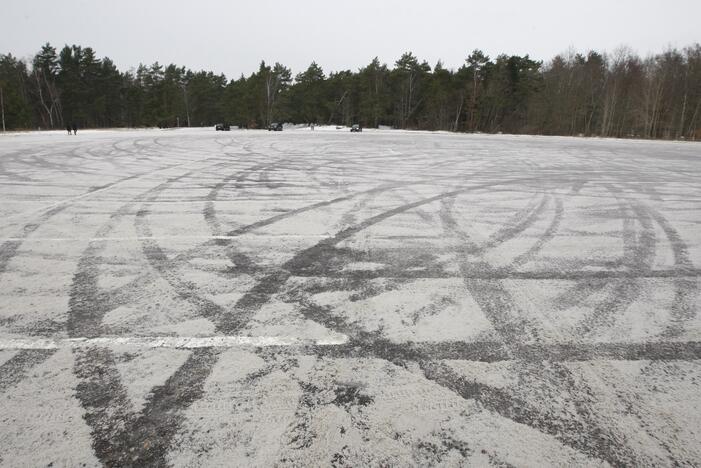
223	127
275	127
356	128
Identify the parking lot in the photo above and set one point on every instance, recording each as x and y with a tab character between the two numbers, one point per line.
252	298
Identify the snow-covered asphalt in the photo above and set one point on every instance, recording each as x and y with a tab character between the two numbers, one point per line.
246	298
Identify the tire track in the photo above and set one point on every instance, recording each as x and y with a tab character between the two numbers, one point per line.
582	290
638	256
237	257
686	287
642	251
169	269
397	353
184	257
87	306
599	443
681	310
368	345
8	249
318	392
185	290
18	366
209	211
514	331
543	373
489	294
67	202
122	437
596	442
546	237
314	258
519	223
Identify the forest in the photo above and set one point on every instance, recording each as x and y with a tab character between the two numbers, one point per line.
618	94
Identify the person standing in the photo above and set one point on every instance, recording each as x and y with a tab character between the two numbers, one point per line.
68	127
75	128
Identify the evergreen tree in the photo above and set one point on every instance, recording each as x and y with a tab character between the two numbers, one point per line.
374	100
619	94
14	82
46	94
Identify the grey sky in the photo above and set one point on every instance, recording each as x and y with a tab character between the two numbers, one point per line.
232	37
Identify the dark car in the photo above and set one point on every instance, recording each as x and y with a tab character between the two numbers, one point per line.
223	127
275	127
356	128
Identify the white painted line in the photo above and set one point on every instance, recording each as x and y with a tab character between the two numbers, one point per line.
137	238
187	342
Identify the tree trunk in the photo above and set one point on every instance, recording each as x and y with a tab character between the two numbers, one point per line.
457	114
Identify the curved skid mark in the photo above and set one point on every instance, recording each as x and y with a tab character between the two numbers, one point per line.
546	237
186	290
108	186
8	249
86	305
119	436
638	256
491	296
168	271
686	288
583	289
209	211
515	331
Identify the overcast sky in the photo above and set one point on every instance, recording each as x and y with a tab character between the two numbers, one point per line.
232	37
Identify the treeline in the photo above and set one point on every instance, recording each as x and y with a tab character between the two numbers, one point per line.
619	95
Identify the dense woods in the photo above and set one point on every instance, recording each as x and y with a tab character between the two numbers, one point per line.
618	94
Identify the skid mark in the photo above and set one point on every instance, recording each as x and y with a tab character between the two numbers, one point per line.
8	249
515	330
686	289
87	304
638	256
313	259
581	433
547	388
209	211
122	437
18	366
157	258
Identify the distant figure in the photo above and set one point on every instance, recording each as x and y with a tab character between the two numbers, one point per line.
68	127
312	127
75	128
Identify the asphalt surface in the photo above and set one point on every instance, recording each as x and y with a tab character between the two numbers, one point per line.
200	298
